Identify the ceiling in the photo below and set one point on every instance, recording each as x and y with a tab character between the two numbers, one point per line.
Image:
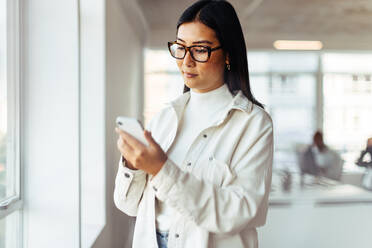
339	24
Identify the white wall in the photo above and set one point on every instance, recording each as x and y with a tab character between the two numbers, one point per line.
125	37
50	122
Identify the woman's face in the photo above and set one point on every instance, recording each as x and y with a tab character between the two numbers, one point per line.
201	77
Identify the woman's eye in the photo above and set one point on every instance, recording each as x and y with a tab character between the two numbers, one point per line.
201	50
180	48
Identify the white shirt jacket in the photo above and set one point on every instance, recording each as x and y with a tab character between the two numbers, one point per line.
220	192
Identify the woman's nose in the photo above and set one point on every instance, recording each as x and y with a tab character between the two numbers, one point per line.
187	60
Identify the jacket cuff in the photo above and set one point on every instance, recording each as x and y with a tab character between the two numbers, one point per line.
165	179
130	174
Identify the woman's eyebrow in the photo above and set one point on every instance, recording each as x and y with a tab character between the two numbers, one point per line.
203	41
197	42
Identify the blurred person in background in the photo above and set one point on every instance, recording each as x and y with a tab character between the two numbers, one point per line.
365	160
205	178
320	160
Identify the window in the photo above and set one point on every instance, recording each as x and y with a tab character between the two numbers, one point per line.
347	103
163	81
290	100
3	100
287	88
10	203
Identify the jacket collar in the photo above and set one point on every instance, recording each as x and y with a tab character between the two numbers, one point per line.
239	102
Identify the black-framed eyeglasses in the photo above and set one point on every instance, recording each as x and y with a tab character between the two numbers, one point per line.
199	53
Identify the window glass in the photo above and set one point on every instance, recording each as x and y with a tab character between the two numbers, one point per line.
285	82
347	113
293	62
290	100
347	63
259	62
159	61
163	81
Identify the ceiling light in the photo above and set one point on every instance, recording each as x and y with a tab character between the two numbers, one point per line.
298	45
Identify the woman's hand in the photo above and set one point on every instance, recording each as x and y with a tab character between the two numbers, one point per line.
147	158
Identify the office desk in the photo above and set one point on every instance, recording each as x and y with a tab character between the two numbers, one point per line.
317	213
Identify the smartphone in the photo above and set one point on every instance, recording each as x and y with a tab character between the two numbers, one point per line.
133	127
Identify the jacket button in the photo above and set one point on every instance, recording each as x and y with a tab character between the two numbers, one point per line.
176	235
189	164
154	188
204	135
126	175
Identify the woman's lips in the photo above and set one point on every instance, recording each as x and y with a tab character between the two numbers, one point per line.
189	75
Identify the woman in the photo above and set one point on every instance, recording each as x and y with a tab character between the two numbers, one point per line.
365	160
205	177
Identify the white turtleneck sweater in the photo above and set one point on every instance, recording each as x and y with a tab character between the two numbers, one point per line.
200	111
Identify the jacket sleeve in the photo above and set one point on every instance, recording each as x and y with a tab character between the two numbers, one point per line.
129	187
226	209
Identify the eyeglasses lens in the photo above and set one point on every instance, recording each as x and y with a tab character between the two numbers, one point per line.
198	53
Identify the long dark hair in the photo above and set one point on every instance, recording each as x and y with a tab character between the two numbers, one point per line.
221	17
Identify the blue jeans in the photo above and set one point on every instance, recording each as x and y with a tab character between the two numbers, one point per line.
162	238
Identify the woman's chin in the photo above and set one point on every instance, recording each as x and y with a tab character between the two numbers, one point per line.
191	84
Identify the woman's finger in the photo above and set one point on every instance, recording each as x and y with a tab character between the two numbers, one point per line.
125	149
132	141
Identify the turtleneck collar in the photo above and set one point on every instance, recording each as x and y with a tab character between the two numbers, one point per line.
223	90
214	99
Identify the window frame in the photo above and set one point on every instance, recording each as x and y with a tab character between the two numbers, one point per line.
15	202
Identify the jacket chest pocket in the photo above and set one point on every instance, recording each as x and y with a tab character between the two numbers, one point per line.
214	171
